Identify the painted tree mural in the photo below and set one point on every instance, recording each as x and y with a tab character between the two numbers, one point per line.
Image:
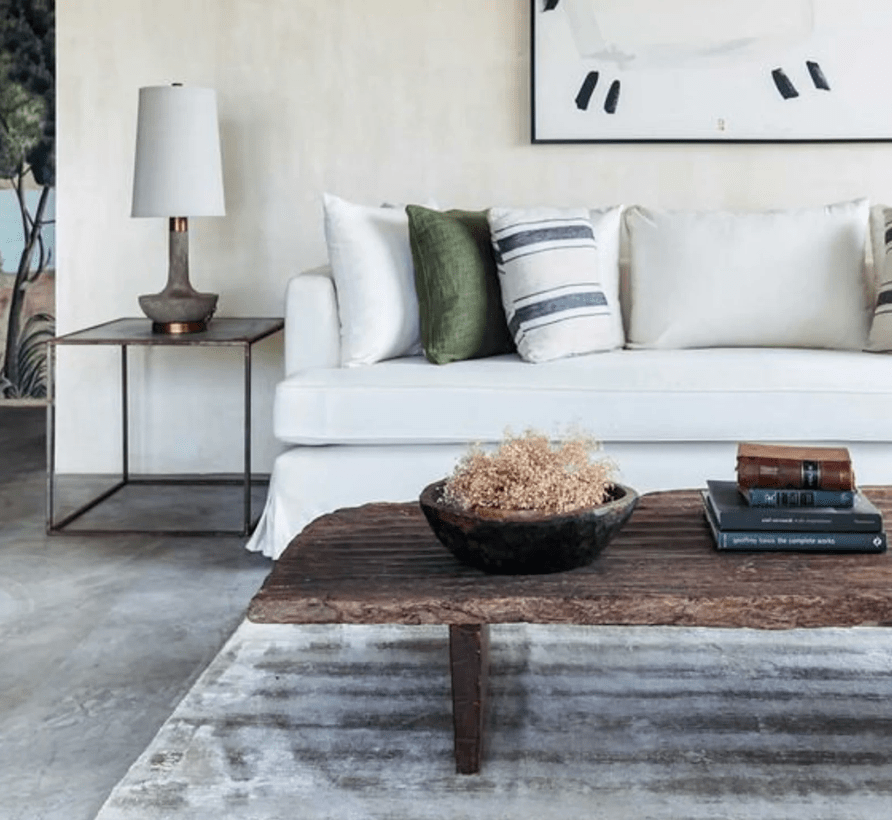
28	164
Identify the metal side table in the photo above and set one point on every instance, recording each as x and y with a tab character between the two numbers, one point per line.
222	332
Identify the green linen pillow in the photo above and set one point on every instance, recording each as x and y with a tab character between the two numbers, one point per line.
459	299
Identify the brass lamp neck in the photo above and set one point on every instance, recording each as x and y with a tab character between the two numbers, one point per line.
179	224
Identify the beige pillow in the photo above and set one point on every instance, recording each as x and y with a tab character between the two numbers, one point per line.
793	278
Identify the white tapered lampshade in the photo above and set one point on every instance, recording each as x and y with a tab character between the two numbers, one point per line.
178	171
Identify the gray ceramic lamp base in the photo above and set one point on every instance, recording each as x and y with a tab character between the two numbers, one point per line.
175	312
179	308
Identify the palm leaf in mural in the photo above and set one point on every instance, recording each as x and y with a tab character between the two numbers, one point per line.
31	353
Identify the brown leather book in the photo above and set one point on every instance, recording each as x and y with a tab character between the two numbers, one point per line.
782	466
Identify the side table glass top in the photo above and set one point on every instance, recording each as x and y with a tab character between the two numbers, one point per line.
138	331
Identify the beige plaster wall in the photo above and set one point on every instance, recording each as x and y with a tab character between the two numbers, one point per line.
394	100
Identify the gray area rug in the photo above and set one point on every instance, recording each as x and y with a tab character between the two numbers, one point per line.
354	722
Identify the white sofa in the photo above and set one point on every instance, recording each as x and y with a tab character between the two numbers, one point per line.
671	417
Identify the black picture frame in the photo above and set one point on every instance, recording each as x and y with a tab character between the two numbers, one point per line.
835	93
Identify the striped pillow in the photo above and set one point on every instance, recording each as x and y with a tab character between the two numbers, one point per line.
552	290
880	338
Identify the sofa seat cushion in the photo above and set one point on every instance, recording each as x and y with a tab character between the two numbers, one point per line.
715	394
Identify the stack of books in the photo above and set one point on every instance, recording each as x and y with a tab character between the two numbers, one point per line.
789	498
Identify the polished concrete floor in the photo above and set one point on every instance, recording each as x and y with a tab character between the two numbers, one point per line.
100	637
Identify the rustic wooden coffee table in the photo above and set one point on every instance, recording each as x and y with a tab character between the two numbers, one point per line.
380	563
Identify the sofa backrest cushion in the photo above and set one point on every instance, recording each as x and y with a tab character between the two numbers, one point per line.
553	282
792	278
459	299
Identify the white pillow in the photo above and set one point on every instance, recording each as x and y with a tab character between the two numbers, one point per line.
371	262
549	271
773	279
880	338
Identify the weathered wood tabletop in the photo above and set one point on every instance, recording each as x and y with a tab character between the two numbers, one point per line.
380	563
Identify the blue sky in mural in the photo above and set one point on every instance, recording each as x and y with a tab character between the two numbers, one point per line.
11	241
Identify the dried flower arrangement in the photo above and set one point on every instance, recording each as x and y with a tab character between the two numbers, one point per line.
527	472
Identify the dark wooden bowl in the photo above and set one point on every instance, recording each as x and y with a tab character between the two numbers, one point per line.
523	542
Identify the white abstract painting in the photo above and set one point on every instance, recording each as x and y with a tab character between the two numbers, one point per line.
711	70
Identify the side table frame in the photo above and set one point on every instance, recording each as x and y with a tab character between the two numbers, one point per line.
222	332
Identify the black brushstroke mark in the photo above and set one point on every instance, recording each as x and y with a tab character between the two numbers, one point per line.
551	5
586	89
817	76
888	235
782	81
612	98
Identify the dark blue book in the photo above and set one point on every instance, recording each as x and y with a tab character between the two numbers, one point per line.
791	541
733	513
766	497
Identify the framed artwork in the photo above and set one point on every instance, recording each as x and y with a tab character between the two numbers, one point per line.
711	70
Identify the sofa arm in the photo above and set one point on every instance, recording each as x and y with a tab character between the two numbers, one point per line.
312	330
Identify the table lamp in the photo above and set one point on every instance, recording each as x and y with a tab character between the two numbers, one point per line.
178	174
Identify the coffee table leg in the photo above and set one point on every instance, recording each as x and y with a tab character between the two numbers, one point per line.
469	664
